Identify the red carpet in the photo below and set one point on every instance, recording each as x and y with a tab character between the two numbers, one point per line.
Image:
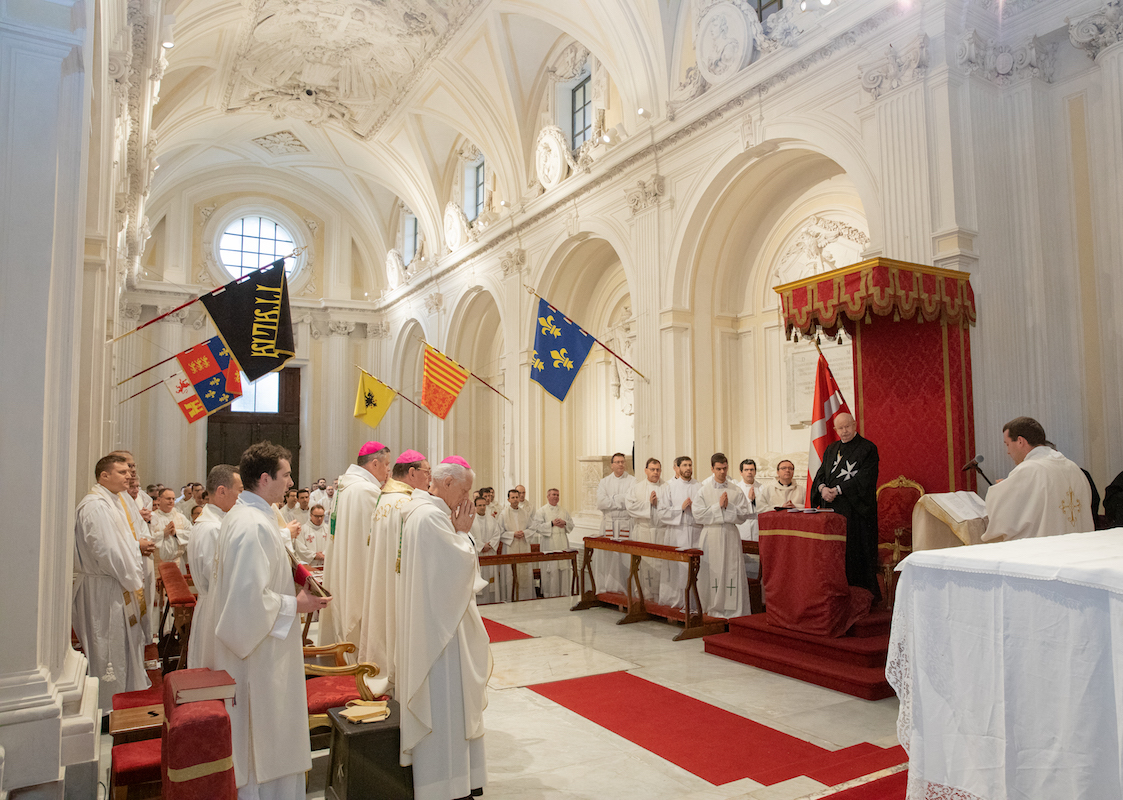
501	633
891	787
716	745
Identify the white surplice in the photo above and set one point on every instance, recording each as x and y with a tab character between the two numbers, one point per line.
315	538
138	529
557	576
1045	495
647	526
443	659
722	583
680	530
511	521
171	547
108	579
610	570
258	641
773	495
346	561
202	552
485	531
378	638
748	529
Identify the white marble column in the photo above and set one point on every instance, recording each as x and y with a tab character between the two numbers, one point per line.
337	378
168	432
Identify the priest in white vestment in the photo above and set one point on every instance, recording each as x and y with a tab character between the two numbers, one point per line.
319	492
346	561
610	570
108	596
378	640
783	491
642	502
550	526
680	529
1045	494
313	537
486	535
720	507
193	496
170	529
224	484
443	658
514	527
258	638
751	488
288	509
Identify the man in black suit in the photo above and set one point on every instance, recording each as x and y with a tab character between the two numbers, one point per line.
847	483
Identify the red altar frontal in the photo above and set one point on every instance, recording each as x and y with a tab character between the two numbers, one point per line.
910	324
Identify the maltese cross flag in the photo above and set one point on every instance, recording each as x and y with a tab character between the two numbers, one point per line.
829	402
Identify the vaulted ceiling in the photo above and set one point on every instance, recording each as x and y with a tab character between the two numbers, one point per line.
370	102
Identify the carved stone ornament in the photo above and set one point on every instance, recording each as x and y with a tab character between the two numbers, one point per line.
456	225
178	318
784	27
513	261
199	321
1001	64
282	143
693	85
645	194
205	213
570	63
820	245
1098	30
552	159
340	327
469	153
434	302
313	331
395	269
378	330
130	311
898	68
320	60
724	35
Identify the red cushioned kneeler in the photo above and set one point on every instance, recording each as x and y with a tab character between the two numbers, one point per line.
135	763
330	691
198	756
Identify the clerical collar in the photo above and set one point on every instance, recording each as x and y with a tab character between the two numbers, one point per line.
254	500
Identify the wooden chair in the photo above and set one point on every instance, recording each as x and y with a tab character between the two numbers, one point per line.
895	502
332	686
181	605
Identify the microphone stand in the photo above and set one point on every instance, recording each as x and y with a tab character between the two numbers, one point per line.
979	470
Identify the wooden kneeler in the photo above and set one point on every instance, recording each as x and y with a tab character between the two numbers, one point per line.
181	604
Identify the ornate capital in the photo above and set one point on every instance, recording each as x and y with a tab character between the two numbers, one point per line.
1002	64
646	194
513	261
899	67
378	330
130	311
178	318
1099	30
434	302
340	327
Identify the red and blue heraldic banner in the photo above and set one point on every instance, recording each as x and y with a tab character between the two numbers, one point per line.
206	380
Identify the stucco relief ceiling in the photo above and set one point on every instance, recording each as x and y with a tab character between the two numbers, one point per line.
317	60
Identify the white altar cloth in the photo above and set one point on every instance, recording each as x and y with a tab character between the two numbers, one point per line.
1008	662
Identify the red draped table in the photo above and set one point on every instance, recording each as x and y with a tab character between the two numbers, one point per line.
803	560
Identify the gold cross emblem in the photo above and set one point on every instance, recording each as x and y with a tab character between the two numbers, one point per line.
1070	507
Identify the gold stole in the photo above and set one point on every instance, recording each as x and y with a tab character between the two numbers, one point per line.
139	592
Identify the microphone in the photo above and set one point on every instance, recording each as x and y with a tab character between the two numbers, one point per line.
972	464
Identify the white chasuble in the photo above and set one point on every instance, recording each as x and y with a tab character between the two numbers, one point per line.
1045	495
108	578
171	547
511	521
346	561
202	551
610	570
722	583
258	641
378	640
647	526
443	655
773	495
680	530
557	576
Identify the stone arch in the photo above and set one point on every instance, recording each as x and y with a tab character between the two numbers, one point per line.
409	427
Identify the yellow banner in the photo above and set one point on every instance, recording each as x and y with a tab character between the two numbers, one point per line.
373	399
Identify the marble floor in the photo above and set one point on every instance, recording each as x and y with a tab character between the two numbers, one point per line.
537	749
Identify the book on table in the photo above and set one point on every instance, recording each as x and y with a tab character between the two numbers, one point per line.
203	684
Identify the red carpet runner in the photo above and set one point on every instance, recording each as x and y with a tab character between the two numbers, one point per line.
501	633
891	787
716	745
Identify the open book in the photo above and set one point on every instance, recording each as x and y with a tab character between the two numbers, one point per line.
960	506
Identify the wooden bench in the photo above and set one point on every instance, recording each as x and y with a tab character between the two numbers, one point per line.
695	623
514	559
181	604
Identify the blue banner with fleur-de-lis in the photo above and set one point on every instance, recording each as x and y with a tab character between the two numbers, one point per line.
560	348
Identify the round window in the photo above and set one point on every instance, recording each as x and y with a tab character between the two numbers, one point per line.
253	242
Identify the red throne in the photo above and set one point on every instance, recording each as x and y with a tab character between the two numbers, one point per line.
910	325
895	502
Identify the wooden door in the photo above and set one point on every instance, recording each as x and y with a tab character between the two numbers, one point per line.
229	433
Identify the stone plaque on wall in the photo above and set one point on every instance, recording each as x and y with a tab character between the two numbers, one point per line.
800	360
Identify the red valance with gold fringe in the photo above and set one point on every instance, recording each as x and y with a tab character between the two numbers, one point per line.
878	286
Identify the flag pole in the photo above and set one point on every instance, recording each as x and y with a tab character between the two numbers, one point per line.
158	363
142	391
595	339
474	375
391	388
293	254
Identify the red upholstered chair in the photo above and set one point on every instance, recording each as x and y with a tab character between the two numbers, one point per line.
332	685
895	501
198	757
134	770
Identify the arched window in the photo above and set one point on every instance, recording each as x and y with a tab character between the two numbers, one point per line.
252	242
475	188
409	237
581	112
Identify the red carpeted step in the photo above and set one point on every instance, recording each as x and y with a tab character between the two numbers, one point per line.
826	763
864	764
876	623
865	682
891	787
860	652
498	632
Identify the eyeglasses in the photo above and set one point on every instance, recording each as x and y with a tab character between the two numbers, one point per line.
426	471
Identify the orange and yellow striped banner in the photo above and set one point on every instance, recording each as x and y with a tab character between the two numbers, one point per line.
442	380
